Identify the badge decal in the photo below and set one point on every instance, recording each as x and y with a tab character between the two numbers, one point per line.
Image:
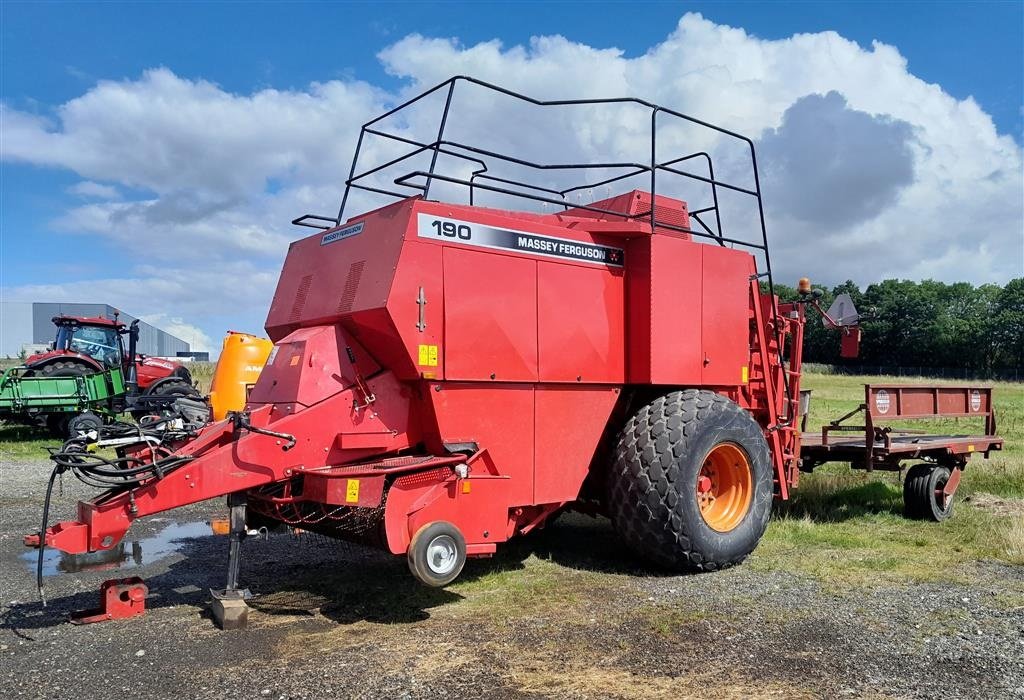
439	228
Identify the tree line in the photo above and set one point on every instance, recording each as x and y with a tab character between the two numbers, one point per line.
926	324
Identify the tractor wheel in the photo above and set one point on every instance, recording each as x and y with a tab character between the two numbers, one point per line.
63	369
690	486
922	493
437	554
84	423
173	389
176	389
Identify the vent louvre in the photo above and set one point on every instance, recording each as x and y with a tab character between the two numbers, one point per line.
671	216
348	295
300	298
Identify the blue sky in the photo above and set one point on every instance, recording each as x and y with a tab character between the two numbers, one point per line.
53	53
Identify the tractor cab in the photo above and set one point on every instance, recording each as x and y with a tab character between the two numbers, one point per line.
97	338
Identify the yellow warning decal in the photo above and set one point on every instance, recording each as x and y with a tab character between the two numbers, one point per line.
745	374
427	356
352	491
970	448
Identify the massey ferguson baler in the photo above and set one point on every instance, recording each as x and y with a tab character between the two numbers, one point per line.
446	376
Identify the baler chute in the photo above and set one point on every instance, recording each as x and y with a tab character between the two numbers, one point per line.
446	375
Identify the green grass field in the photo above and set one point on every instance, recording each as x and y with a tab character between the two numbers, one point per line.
847	526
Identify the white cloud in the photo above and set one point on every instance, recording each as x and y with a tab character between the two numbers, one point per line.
196	338
87	189
868	171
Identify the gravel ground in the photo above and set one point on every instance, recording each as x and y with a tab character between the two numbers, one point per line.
565	613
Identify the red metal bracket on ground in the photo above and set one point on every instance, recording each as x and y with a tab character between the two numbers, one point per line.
120	598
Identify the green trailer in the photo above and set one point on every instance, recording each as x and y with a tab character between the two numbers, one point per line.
66	404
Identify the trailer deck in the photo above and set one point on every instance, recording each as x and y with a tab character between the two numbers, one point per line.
904	445
872	446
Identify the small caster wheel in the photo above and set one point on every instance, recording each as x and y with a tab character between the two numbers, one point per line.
437	554
84	423
923	497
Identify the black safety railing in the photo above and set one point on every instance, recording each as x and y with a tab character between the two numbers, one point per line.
419	181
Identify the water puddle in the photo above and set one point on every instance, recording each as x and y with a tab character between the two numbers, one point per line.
126	555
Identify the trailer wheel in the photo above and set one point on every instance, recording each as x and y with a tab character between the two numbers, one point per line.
84	423
437	554
922	493
690	487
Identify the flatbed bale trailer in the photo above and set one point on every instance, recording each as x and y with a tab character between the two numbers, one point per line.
929	485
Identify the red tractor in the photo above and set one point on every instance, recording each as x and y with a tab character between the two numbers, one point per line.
446	376
85	345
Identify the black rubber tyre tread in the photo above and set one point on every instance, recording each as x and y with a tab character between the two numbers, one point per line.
177	387
64	369
174	388
416	555
652	481
83	422
919	486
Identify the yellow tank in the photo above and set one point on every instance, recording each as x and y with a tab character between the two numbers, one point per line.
241	360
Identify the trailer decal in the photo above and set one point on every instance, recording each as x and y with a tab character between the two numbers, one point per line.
467	233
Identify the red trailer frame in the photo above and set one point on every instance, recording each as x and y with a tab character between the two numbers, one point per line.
880	446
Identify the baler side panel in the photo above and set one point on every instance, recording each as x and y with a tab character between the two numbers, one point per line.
580	324
569	423
499	417
725	321
669	285
490	316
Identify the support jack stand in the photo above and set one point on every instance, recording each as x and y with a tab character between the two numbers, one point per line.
120	598
229	609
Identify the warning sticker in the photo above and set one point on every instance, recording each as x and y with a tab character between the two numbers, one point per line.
427	356
882	401
352	491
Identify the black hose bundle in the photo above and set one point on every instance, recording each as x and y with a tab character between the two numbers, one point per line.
115	474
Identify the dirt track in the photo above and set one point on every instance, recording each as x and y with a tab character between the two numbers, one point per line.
565	613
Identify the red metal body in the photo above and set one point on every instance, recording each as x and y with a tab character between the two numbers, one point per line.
506	349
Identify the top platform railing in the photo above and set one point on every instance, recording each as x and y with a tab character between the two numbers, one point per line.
419	181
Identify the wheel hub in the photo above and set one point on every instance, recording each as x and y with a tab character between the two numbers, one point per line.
442	555
724	489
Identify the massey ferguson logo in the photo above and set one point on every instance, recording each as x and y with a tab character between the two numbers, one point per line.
975	401
882	401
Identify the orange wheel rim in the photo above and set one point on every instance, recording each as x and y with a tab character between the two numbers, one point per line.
724	487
